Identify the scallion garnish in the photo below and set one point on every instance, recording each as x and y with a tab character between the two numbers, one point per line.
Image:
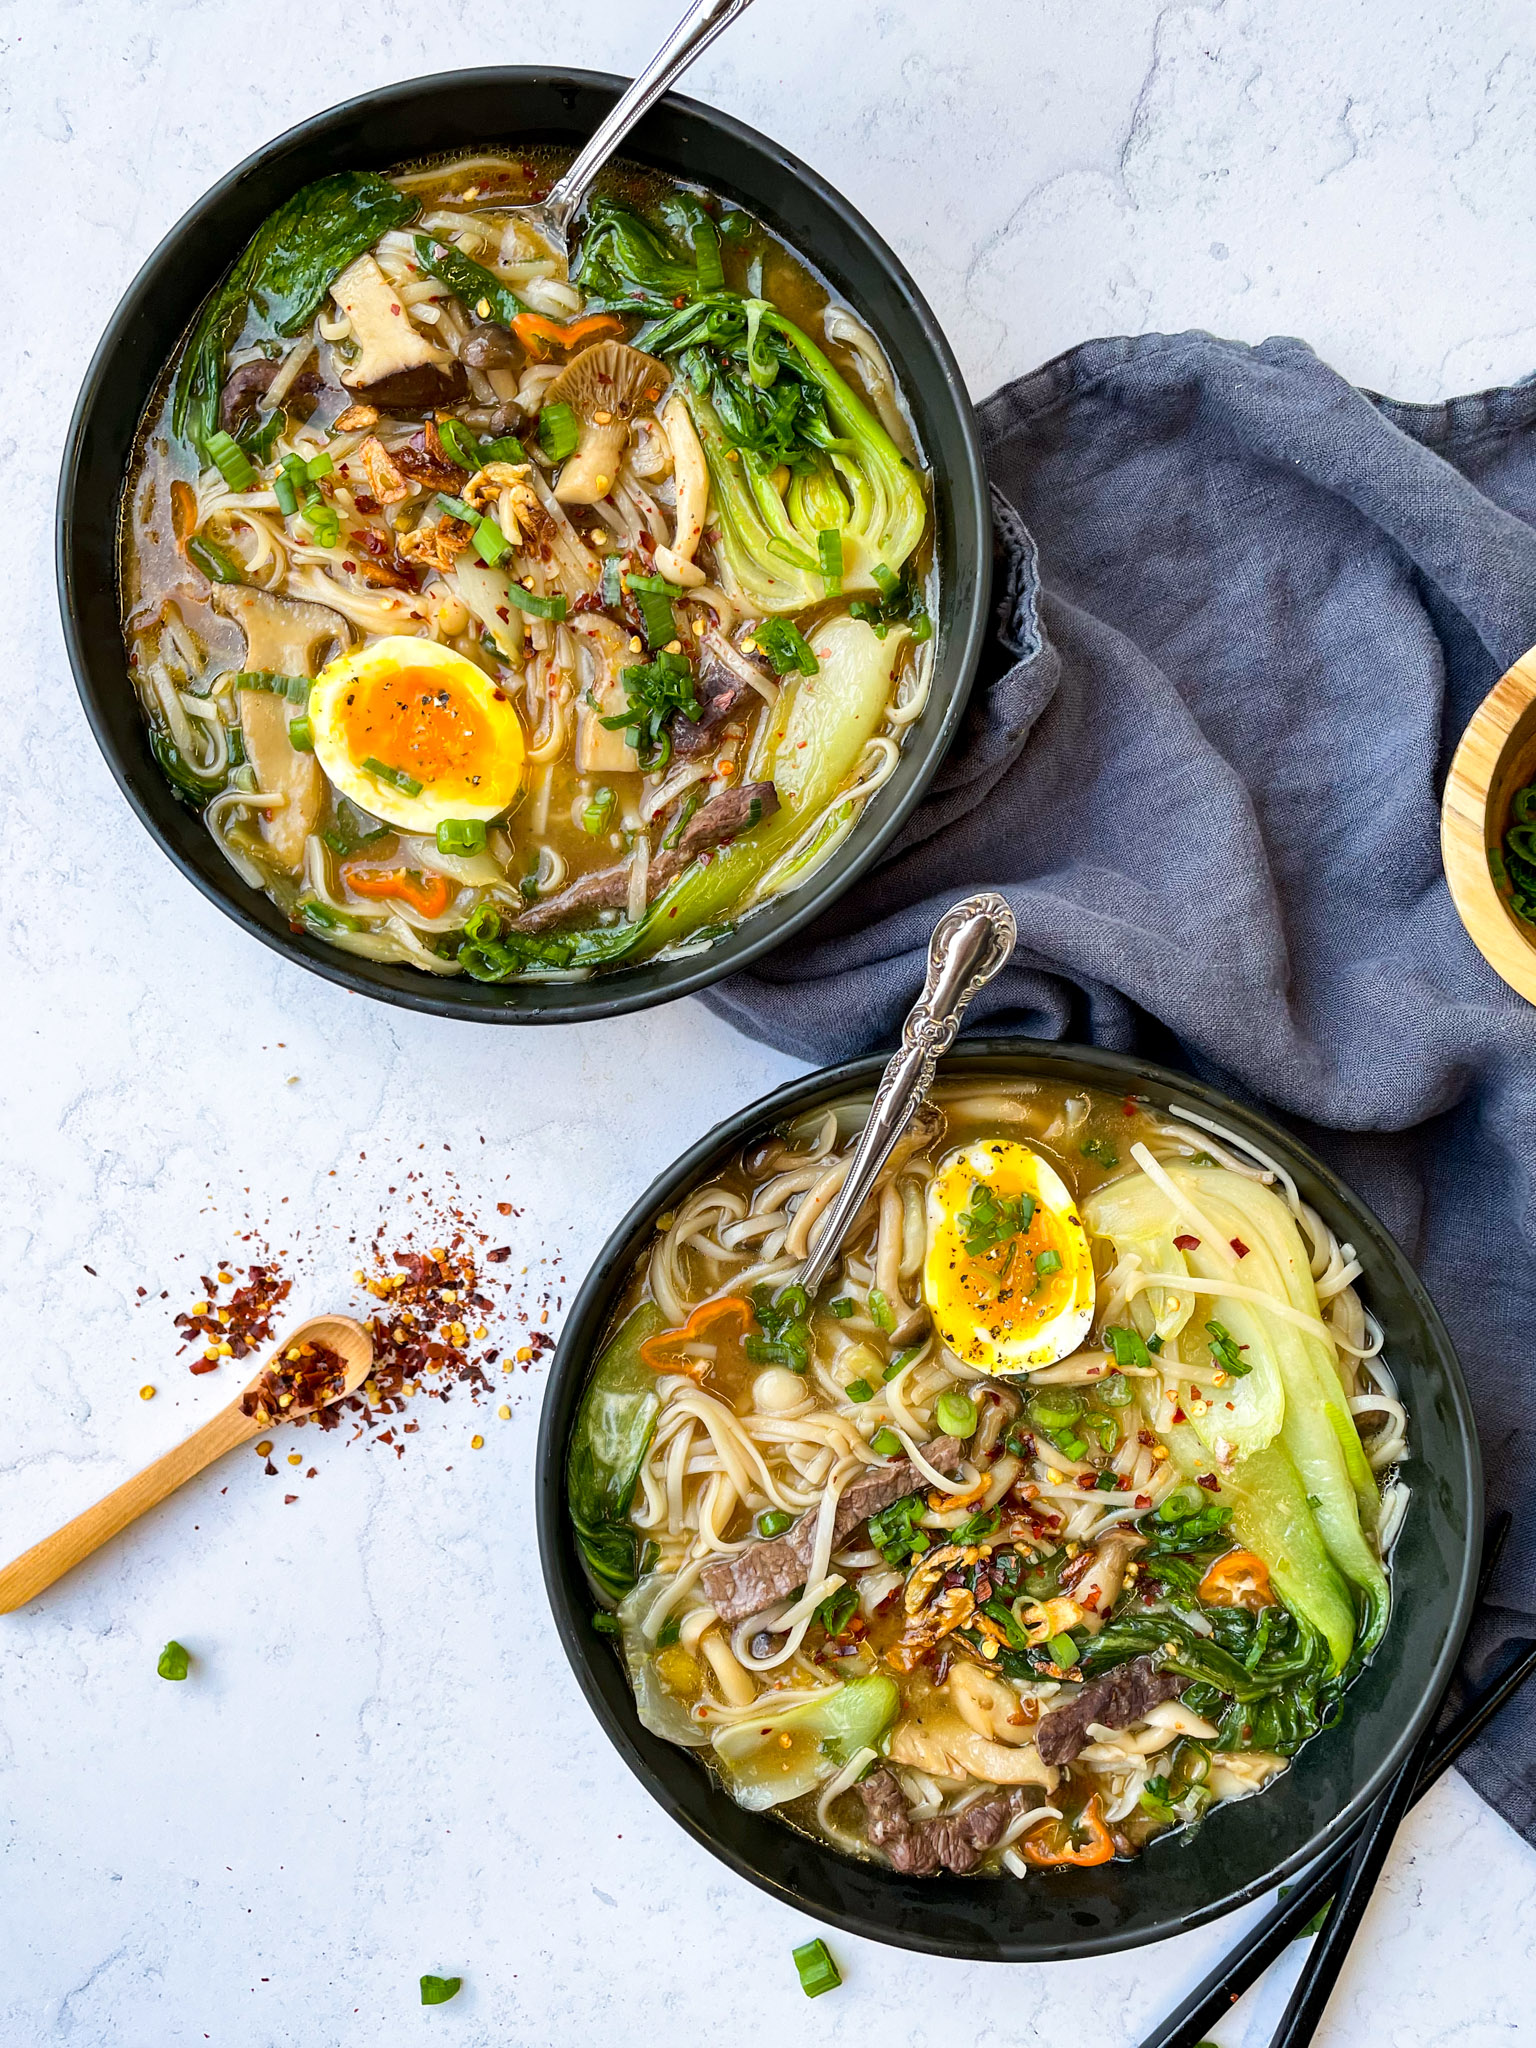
1062	1652
773	1522
396	777
597	811
1048	1261
535	606
559	431
457	509
318	466
462	446
882	1315
286	494
214	563
1226	1350
886	1442
231	460
655	596
785	646
817	1970
613	584
859	1390
887	582
324	523
301	733
460	835
829	553
843	1306
173	1660
956	1413
491	544
900	1363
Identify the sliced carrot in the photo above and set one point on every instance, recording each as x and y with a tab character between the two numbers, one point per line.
538	333
1238	1580
1053	1841
729	1316
430	894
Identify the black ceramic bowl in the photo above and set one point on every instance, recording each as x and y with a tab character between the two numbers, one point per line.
428	117
1244	1847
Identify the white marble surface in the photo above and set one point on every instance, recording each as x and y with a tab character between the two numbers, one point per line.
381	1766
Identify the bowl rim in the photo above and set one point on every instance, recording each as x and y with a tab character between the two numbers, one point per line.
584	1327
604	995
1476	785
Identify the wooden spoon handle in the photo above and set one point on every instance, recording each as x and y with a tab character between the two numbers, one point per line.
37	1568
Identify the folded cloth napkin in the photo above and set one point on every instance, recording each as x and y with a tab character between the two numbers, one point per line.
1244	611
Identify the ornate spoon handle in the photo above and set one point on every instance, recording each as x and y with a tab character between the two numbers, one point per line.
969	945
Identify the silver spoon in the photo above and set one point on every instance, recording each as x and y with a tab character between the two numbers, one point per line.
551	216
970	944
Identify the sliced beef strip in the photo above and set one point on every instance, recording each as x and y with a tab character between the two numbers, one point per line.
922	1848
764	1572
723	687
1119	1699
725	816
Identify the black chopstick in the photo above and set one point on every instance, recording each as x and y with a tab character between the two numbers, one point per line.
1191	2023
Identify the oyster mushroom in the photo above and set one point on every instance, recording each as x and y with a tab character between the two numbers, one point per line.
284	636
600	749
689	470
605	386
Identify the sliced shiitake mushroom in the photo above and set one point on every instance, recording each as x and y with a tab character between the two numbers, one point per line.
605	386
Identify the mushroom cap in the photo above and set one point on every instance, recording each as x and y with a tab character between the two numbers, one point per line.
610	377
282	634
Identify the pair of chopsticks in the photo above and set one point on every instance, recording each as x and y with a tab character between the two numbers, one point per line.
1346	1875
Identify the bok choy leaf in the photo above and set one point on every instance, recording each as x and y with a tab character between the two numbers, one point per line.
611	1436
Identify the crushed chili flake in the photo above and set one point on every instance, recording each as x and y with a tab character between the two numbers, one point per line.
1186	1243
306	1376
1239	1247
1209	1481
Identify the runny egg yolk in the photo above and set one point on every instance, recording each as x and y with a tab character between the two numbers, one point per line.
411	719
1008	1273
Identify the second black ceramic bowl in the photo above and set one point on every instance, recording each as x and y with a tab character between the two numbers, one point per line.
1245	1846
429	117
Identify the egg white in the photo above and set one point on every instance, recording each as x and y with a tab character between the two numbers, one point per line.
1010	1337
501	770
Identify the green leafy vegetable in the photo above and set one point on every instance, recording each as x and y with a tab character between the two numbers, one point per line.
655	597
841	1722
836	1611
469	281
282	275
611	1435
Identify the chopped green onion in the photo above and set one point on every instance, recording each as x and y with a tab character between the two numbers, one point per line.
294	688
173	1661
843	1306
785	646
1127	1345
881	1313
535	606
887	582
1048	1262
1116	1390
319	917
836	1611
559	431
491	544
956	1413
817	1970
1227	1352
859	1390
773	1523
438	1990
318	466
900	1363
301	733
669	1632
214	563
605	1624
1155	1343
1179	1506
1062	1652
286	494
460	835
921	627
613	582
259	442
655	596
692	798
597	812
463	447
231	460
397	777
886	1442
829	554
324	523
505	448
1072	1445
457	509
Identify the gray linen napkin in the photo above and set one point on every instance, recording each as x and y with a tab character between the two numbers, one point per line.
1244	612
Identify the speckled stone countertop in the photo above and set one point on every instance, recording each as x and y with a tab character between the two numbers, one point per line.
380	1765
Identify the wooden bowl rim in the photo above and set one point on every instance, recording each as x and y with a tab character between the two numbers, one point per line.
1464	826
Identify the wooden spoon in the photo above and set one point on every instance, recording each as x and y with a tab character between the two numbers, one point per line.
37	1568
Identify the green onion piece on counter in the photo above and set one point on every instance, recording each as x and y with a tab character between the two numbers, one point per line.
214	563
604	1623
817	1970
829	553
843	1306
613	582
669	1632
438	1990
956	1413
462	446
318	466
859	1390
491	544
1048	1262
535	606
460	835
1062	1652
173	1661
900	1363
773	1522
324	523
301	733
286	494
231	460
596	813
881	1313
559	431
886	1442
887	582
785	646
396	777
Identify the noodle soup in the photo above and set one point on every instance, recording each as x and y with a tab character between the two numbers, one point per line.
514	623
1059	1516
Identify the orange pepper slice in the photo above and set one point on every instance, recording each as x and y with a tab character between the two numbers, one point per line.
430	894
538	333
1238	1580
1038	1847
729	1316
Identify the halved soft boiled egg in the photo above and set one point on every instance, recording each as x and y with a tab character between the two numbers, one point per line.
415	734
1008	1274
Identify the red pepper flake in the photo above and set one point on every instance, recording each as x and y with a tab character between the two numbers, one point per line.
1143	1500
1178	1415
206	1365
289	1499
1186	1243
1130	1106
1239	1247
1209	1481
498	1257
